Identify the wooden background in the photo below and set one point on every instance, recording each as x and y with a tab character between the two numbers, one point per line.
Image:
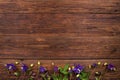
60	31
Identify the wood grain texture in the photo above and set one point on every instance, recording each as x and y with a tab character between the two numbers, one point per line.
60	31
60	35
59	47
80	24
61	6
47	64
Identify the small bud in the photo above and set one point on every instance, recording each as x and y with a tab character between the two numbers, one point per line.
77	75
69	68
16	74
97	73
99	63
31	65
114	69
73	67
89	67
53	63
16	63
105	64
38	62
5	64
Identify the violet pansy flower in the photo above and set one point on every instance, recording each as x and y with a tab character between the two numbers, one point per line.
94	65
110	67
10	66
56	69
24	68
42	69
78	68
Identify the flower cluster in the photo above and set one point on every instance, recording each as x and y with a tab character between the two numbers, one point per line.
99	75
68	72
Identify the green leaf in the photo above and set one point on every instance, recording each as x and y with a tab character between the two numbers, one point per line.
85	79
54	76
97	78
64	70
65	73
44	78
66	67
60	77
65	78
84	75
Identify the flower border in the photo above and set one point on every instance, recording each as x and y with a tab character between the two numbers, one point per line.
68	72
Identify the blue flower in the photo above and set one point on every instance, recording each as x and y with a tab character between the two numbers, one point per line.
110	67
78	68
94	65
24	68
78	79
42	69
56	69
10	66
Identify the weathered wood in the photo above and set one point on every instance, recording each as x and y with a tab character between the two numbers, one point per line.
60	36
47	64
59	47
81	24
61	6
60	31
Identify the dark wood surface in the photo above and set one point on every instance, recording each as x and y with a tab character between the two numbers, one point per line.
62	31
61	6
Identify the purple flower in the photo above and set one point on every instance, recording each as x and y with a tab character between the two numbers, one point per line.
78	68
10	66
110	67
24	68
78	79
94	65
42	69
56	69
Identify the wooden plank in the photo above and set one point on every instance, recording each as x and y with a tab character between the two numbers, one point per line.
47	64
61	6
58	46
81	24
63	35
54	54
63	38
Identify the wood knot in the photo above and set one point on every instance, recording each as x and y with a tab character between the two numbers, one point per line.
40	39
116	10
21	59
113	50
